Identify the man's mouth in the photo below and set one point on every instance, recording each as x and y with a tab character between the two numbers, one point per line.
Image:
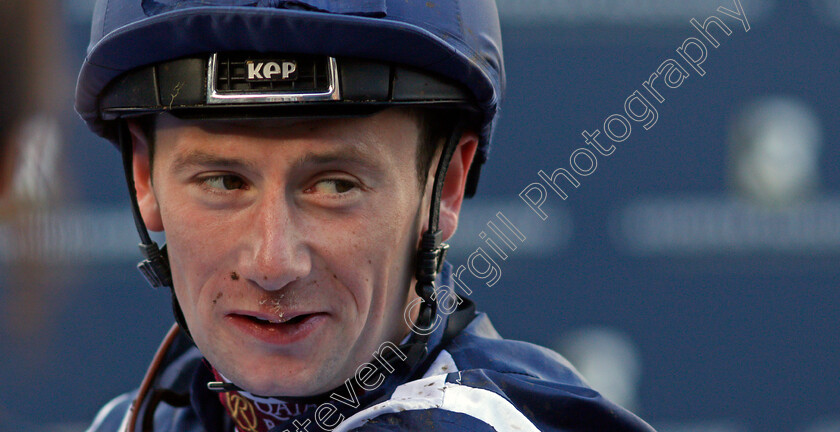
279	320
279	329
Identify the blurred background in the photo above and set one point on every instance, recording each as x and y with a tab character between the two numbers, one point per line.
691	277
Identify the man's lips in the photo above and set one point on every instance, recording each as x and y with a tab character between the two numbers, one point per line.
280	317
281	328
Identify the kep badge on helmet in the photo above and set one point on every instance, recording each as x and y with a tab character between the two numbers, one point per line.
282	70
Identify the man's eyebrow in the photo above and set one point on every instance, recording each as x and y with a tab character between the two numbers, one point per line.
349	154
200	158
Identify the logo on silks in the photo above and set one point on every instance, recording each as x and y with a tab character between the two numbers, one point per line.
281	70
242	412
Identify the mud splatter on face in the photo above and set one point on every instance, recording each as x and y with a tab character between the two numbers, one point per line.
277	309
218	296
234	276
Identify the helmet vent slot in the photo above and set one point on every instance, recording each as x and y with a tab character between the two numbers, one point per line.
258	73
254	78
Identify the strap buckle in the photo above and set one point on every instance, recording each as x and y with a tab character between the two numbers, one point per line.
155	268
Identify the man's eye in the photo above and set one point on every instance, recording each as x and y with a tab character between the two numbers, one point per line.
332	186
225	182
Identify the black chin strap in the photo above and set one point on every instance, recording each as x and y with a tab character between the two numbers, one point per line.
155	266
430	258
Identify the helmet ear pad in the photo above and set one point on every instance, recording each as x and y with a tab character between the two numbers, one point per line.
142	172
452	195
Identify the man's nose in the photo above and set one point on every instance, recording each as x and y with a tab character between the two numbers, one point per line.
277	254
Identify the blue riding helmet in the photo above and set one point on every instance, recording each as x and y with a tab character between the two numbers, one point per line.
246	58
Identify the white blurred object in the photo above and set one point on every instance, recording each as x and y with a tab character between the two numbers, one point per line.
775	147
35	178
608	359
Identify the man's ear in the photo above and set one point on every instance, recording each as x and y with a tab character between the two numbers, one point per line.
456	179
146	199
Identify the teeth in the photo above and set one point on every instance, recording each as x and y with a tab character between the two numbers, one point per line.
279	320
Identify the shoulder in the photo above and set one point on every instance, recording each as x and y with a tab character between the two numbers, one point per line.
479	346
481	382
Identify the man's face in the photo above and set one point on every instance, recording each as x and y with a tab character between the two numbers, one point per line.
290	243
